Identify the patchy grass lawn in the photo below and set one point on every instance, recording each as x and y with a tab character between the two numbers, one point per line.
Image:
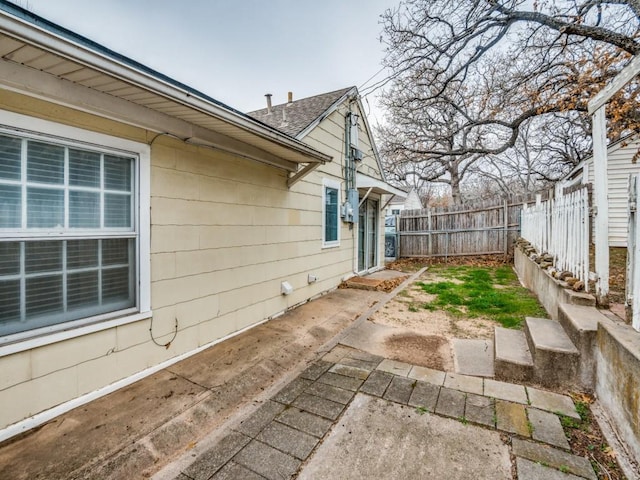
494	293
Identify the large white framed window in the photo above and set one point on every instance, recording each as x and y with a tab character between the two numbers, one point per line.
73	228
330	213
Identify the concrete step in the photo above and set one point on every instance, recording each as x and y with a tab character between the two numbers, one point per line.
581	325
555	357
513	361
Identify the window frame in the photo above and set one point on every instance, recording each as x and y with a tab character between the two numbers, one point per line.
334	185
24	126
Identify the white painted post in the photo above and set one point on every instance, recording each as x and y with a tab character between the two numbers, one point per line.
601	206
632	300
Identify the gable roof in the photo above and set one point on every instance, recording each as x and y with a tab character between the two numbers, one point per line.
293	118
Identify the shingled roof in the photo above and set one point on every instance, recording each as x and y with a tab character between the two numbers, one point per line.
299	113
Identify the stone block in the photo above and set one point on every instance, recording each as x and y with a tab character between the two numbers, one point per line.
451	403
377	383
252	425
305	421
319	406
464	383
288	440
546	427
289	393
340	381
347	371
399	390
528	470
315	370
505	391
480	409
267	461
552	402
232	471
214	458
330	392
424	374
511	417
553	457
425	395
397	368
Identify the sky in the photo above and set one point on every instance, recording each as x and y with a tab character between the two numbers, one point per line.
238	50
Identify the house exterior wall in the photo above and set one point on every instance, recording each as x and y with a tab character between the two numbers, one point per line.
225	232
620	166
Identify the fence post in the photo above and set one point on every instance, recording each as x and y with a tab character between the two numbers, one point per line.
632	297
429	226
506	229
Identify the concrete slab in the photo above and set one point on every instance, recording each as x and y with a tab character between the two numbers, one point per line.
479	409
505	391
288	440
546	427
340	381
305	422
399	390
528	470
429	375
267	461
552	402
231	471
473	357
252	425
556	359
370	426
425	396
553	457
397	368
320	406
330	392
451	403
464	383
349	371
316	369
216	457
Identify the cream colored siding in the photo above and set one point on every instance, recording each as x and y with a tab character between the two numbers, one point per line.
225	232
620	167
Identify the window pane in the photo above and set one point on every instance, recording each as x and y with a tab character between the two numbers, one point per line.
117	210
116	251
117	173
45	163
45	207
84	168
9	301
331	215
84	209
43	256
10	157
82	289
115	285
10	206
9	258
44	295
82	253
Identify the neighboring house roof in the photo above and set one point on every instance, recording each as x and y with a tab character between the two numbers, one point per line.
35	53
294	117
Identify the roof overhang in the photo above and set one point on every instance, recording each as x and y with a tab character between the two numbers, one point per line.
42	60
365	182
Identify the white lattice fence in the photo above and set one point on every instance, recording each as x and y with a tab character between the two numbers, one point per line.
560	227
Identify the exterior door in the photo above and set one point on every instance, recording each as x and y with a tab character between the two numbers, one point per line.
368	235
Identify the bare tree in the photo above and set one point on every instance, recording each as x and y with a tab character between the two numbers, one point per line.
471	76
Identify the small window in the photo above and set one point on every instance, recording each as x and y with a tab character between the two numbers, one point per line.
395	211
69	238
331	214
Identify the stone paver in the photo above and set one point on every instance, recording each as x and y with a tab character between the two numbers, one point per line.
365	356
233	471
464	383
377	383
267	461
473	356
315	370
424	374
399	390
480	410
319	406
511	417
528	470
553	457
397	368
451	403
425	395
546	427
215	458
288	440
337	353
289	393
505	391
305	421
340	381
358	363
348	371
552	402
259	419
330	392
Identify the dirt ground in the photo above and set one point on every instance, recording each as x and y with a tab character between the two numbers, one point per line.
423	336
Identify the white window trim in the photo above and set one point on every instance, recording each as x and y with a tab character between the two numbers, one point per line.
11	122
326	182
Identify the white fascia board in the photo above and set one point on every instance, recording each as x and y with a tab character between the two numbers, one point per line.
367	127
68	49
351	92
614	86
28	81
378	186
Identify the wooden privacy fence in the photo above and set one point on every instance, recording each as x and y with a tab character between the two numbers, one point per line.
482	229
560	227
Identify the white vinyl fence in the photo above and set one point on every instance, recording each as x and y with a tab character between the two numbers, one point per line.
633	253
560	227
